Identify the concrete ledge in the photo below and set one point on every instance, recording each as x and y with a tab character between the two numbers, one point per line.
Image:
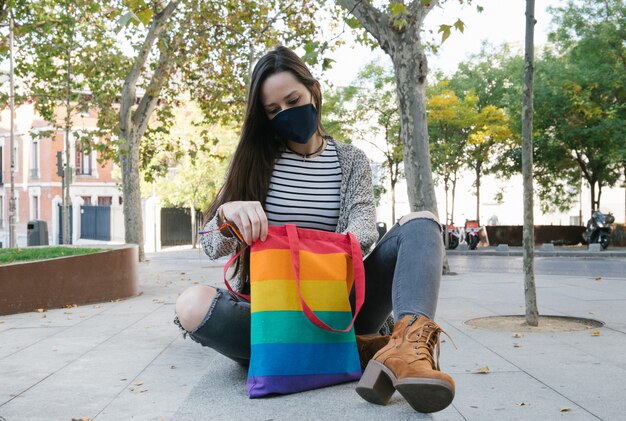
502	247
53	283
595	247
547	247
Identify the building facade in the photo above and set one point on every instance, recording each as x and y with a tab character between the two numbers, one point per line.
38	188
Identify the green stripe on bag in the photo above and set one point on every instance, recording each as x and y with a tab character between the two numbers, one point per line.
294	327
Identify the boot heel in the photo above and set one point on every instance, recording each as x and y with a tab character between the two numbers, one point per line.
376	385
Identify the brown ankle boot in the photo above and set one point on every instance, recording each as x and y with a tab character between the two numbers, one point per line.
407	364
369	345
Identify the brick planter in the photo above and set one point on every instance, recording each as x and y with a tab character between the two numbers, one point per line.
54	283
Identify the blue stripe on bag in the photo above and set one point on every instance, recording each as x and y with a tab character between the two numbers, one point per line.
286	359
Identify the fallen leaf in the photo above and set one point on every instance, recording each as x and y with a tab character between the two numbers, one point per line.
523	404
195	282
595	333
599	278
517	335
517	346
41	310
138	390
123	380
81	419
44	316
482	370
565	409
182	273
172	366
70	306
138	383
2	321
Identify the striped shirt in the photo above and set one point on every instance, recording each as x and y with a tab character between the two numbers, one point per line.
305	192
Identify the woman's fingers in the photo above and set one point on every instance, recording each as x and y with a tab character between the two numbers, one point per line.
249	217
263	222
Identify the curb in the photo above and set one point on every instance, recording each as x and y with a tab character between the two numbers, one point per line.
540	253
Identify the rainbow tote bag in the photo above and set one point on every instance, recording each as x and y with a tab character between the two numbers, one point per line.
302	323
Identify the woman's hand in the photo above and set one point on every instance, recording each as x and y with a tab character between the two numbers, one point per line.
249	217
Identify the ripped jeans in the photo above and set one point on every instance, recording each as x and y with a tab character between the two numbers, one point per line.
402	274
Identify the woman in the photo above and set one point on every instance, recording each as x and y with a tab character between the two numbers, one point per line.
286	170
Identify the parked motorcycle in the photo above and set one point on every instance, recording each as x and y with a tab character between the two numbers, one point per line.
454	237
599	228
472	228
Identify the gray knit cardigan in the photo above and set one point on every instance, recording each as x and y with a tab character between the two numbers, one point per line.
357	213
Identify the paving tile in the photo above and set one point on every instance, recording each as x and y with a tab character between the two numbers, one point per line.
512	396
221	395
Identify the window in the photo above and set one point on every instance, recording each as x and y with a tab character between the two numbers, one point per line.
34	207
105	201
34	159
86	200
83	160
1	211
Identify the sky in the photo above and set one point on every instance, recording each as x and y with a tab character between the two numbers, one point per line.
502	21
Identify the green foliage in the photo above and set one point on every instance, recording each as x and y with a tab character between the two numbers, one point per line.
193	178
463	134
12	255
367	110
580	123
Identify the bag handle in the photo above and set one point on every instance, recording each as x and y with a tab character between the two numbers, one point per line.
230	262
227	266
359	278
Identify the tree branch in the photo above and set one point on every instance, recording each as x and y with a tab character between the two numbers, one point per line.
130	84
419	10
373	20
142	114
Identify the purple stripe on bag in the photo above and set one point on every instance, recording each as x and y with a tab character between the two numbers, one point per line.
264	385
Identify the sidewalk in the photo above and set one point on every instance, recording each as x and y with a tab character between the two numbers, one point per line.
126	360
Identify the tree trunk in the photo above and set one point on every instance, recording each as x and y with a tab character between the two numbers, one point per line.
592	188
194	230
532	314
404	47
133	124
393	202
410	69
453	197
477	168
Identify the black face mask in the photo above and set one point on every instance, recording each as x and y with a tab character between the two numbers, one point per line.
297	124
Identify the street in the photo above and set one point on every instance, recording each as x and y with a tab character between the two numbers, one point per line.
609	267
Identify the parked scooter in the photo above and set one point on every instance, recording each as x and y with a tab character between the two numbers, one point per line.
599	228
454	237
472	228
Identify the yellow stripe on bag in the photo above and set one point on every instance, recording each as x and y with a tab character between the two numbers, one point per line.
281	295
276	264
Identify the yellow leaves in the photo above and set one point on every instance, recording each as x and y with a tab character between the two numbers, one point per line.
482	370
137	388
444	30
595	333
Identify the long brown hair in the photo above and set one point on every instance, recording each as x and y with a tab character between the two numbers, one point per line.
248	176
